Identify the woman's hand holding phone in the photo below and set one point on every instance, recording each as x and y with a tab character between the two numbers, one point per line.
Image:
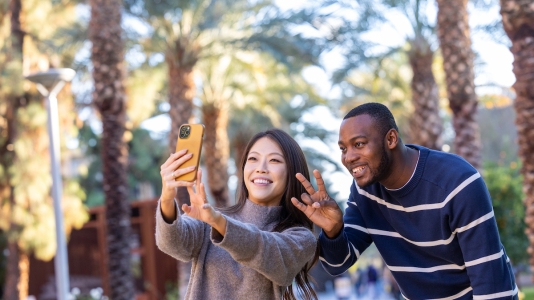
169	171
200	209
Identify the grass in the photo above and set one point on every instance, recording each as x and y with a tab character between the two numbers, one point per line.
528	293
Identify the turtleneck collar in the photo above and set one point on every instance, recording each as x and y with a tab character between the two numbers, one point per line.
259	215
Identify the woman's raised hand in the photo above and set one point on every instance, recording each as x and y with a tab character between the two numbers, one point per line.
200	209
170	170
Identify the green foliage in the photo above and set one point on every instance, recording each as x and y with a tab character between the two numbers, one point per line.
32	212
146	154
505	186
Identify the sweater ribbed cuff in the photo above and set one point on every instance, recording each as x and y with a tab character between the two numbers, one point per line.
328	244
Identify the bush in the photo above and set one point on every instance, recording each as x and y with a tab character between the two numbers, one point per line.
505	186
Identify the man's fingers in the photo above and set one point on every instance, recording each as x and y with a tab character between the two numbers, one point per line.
298	204
305	183
306	199
325	204
319	179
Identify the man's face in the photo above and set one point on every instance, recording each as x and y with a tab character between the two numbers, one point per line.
363	150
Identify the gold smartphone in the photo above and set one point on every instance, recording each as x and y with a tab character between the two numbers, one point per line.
190	137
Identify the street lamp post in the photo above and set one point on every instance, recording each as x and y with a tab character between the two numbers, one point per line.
49	84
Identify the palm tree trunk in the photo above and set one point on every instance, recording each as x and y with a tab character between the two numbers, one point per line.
181	86
239	143
215	116
426	125
181	91
517	19
108	73
455	43
24	268
12	286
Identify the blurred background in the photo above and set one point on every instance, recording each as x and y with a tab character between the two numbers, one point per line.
111	81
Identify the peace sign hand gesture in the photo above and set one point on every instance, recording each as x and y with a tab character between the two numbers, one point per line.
322	210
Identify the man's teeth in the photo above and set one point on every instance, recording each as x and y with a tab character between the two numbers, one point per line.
358	169
261	181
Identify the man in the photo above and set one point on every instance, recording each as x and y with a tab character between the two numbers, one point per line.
429	214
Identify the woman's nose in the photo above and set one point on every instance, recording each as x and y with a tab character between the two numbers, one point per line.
262	167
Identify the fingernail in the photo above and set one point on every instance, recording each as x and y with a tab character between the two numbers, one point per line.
316	205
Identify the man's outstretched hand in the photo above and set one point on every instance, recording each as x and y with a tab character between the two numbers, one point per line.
322	210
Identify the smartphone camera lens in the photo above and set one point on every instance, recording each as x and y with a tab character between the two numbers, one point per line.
185	131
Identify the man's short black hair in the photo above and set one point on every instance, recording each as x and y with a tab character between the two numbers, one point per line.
379	112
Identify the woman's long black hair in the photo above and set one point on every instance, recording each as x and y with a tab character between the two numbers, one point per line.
290	216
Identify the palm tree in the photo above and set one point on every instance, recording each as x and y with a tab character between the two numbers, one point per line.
455	43
26	212
391	85
187	32
7	155
109	98
517	19
425	124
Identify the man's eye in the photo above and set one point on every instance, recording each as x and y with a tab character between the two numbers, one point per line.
342	149
359	144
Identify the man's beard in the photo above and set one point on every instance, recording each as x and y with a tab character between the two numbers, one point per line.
383	170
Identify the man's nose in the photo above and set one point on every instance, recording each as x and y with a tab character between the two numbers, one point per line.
352	156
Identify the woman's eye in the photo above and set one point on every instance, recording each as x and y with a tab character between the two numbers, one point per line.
275	160
251	158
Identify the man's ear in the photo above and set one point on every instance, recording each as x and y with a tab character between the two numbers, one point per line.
392	138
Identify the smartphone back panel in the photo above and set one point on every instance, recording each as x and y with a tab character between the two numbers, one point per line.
190	137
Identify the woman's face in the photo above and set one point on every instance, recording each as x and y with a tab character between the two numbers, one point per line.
265	173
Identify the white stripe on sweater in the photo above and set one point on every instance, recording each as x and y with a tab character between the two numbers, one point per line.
426	270
447	267
497	295
484	259
346	258
460	294
344	261
422	206
474	223
481	297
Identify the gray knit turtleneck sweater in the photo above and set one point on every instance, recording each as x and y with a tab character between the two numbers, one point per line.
249	262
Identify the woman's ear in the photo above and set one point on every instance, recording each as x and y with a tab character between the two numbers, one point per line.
392	138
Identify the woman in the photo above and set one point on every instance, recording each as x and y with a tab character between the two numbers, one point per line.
254	249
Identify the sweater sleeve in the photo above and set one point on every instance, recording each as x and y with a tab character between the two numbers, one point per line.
182	239
488	266
339	254
279	256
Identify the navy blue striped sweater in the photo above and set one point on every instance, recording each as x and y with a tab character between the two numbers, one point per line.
437	234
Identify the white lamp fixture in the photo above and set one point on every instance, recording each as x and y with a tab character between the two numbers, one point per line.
49	84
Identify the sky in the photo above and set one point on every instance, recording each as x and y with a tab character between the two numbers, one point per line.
494	66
